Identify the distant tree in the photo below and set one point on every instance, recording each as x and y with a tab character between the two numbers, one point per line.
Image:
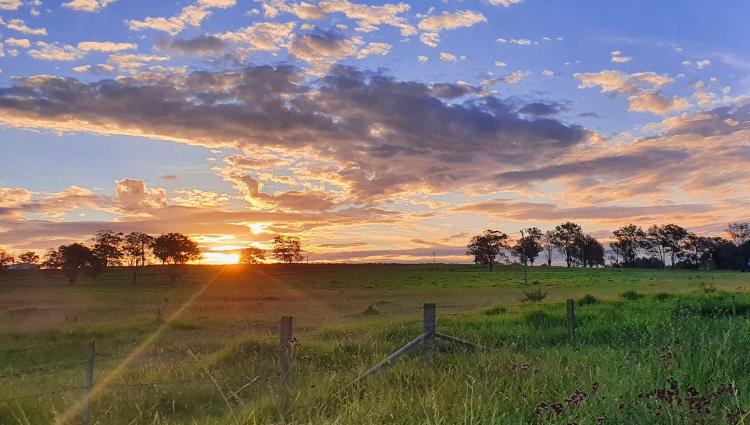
108	247
175	250
566	238
487	247
739	233
73	260
628	241
528	247
590	251
287	249
28	257
549	246
666	240
135	249
5	259
252	255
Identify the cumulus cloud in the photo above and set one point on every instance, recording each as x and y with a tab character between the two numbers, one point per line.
432	26
202	45
18	42
262	36
192	16
383	136
368	17
88	5
642	89
323	49
132	195
10	4
105	46
381	49
54	52
20	26
504	3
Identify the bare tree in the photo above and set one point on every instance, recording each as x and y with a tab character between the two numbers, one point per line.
549	246
136	249
739	233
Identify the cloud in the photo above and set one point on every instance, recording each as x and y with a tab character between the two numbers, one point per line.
133	62
132	195
192	16
368	17
88	5
656	102
262	36
504	3
617	57
105	46
53	52
448	57
323	49
372	135
20	26
381	49
642	89
431	26
202	45
18	42
10	4
95	69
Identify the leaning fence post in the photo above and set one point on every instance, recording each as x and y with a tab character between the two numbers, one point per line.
429	329
89	382
285	344
571	322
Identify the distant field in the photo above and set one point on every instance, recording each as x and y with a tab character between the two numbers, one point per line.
203	350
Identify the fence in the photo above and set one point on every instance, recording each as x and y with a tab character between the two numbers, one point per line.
287	341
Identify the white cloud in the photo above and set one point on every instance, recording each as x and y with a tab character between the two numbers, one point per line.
262	36
656	102
504	3
514	77
422	58
105	46
548	73
448	57
88	5
617	57
374	49
192	15
55	52
10	4
18	42
500	64
20	26
702	63
433	25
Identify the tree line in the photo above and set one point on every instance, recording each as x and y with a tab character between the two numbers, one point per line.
631	246
136	250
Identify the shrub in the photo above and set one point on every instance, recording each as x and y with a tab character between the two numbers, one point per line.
662	296
588	299
494	311
534	296
632	295
370	311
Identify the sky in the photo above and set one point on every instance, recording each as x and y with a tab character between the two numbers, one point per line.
380	132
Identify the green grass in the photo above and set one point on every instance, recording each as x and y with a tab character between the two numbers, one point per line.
216	361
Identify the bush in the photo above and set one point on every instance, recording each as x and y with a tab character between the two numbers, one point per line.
543	320
370	311
662	296
632	295
494	311
534	296
588	299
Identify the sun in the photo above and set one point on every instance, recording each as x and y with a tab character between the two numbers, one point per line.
220	258
257	228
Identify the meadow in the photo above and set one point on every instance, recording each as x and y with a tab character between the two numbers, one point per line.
652	346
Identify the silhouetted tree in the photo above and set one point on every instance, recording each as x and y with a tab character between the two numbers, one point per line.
175	250
566	238
252	255
5	259
549	246
590	251
487	247
666	240
739	233
287	249
135	249
628	241
28	257
528	247
108	247
73	260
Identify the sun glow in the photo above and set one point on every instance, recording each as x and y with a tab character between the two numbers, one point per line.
213	257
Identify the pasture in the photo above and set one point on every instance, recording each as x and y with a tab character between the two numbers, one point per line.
653	346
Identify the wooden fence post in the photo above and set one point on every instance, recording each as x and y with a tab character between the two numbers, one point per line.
285	344
89	383
571	322
429	329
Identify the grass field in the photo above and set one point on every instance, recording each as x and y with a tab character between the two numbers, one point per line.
652	347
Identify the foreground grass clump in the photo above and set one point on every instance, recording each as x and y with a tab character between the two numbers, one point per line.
680	359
